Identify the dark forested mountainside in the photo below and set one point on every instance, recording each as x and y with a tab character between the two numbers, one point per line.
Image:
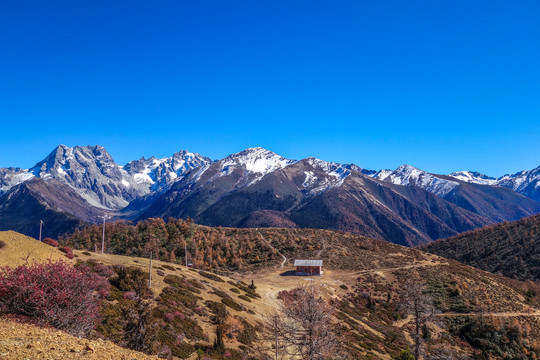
509	248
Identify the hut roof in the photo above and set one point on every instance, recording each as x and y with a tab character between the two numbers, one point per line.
307	262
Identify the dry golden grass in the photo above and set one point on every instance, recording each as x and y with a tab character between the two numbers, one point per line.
25	341
24	250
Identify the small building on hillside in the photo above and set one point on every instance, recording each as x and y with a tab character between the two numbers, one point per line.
308	267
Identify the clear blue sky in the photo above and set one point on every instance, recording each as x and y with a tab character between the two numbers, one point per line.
441	85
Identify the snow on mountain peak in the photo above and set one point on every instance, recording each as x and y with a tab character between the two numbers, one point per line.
474	177
409	175
158	173
256	160
334	175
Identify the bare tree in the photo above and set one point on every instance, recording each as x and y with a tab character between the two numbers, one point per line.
274	339
140	329
302	328
418	304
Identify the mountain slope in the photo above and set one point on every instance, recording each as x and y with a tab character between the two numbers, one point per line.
525	182
466	190
93	173
510	248
27	341
312	193
59	206
157	174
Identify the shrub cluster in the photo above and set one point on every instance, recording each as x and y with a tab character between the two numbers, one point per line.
68	251
57	294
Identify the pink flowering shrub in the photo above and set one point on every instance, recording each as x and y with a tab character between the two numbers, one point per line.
54	293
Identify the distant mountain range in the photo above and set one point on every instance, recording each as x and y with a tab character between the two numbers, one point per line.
258	188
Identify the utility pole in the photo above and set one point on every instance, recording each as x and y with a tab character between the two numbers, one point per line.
185	252
150	272
40	227
103	236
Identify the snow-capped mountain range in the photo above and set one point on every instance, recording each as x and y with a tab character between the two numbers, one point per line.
526	182
92	172
257	187
409	175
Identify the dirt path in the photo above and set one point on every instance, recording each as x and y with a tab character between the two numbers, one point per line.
500	314
323	248
403	322
411	266
273	248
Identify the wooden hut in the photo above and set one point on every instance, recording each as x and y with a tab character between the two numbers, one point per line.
308	267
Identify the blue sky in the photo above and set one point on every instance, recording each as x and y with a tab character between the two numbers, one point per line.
441	85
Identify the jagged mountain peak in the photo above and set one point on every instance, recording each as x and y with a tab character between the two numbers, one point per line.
158	173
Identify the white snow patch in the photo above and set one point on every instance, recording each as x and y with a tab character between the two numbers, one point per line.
409	175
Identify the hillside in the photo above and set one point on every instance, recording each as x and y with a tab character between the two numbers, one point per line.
27	341
364	281
20	250
510	248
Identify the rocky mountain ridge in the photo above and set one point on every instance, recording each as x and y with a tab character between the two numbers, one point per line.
258	188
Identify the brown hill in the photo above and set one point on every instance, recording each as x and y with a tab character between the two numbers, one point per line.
364	281
509	248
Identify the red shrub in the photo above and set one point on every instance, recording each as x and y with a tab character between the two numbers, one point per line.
2	244
66	249
50	242
54	293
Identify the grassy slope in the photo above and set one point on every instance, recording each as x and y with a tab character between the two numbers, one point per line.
21	249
